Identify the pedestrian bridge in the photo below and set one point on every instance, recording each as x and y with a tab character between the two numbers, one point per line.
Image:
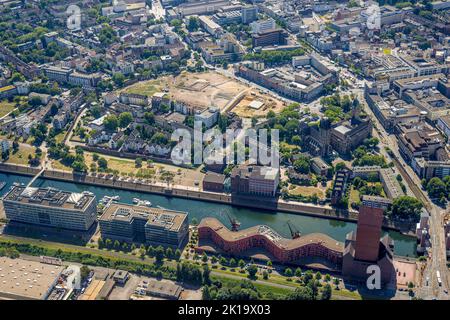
35	177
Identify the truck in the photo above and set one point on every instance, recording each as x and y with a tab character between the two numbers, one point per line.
438	275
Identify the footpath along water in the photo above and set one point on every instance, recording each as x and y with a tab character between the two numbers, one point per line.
404	245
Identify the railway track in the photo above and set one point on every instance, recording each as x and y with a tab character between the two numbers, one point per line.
414	188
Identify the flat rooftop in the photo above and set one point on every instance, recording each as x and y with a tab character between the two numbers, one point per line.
160	288
23	279
49	197
168	219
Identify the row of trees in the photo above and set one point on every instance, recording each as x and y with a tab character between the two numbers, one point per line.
274	57
159	253
158	270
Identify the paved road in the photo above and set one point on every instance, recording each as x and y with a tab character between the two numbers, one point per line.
437	254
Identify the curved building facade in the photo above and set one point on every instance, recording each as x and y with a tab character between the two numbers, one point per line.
283	250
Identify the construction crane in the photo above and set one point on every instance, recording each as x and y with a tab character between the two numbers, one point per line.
235	224
295	233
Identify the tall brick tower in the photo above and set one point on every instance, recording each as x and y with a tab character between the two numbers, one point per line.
368	232
364	248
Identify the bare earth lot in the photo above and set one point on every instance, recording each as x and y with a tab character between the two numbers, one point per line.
203	89
210	88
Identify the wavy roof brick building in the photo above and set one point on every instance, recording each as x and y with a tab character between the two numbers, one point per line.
284	250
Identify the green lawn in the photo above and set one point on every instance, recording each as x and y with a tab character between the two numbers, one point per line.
354	196
307	191
147	88
276	279
261	287
21	156
6	107
60	137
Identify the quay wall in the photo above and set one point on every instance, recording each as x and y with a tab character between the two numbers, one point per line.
261	204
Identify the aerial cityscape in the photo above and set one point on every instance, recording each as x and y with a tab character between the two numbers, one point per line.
224	150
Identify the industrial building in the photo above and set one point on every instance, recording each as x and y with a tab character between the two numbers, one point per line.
144	224
27	280
159	288
51	207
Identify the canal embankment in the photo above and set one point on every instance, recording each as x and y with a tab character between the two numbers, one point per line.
319	211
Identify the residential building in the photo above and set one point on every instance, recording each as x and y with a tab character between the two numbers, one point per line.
208	117
7	91
339	186
68	75
443	123
4	146
134	98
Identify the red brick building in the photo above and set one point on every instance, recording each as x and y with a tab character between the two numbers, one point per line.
213	182
283	250
365	248
255	180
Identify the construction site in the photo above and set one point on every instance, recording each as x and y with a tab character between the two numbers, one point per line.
254	103
210	88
